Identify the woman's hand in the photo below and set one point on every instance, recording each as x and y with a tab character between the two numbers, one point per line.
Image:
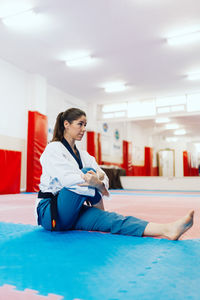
92	180
100	174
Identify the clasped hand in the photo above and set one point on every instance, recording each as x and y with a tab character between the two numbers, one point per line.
91	179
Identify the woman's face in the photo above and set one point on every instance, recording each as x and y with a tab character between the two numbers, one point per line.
76	129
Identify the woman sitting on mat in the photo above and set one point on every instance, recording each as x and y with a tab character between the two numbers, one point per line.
73	187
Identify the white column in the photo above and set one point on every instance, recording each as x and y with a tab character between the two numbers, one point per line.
92	117
37	93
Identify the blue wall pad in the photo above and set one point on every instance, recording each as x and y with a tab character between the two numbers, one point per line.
98	266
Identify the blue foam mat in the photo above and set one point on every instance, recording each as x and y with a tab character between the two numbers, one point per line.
91	265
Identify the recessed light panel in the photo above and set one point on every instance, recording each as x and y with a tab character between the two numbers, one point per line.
25	21
79	58
194	76
115	86
187	37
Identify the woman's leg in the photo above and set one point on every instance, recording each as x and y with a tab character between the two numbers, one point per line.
170	230
94	219
69	205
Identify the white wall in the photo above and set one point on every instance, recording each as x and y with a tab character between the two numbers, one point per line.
178	147
13	112
140	138
58	101
112	142
112	148
21	91
13	99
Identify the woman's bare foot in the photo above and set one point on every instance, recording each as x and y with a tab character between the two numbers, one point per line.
176	229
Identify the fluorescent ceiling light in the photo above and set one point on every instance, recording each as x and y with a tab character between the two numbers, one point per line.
193	102
11	8
25	20
162	120
180	132
114	107
184	38
171	126
113	87
80	58
194	76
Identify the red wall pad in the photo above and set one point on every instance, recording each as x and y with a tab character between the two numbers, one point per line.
93	145
127	157
99	148
10	166
186	167
148	161
36	142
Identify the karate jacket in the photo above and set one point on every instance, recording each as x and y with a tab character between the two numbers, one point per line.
60	169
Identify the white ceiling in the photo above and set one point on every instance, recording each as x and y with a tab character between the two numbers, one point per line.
127	38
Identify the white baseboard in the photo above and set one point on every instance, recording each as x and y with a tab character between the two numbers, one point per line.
161	183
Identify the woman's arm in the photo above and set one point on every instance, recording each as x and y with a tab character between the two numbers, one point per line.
92	180
100	205
91	162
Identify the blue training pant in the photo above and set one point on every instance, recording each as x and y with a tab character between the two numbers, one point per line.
73	214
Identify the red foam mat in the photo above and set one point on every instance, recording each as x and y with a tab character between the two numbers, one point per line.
19	208
10	292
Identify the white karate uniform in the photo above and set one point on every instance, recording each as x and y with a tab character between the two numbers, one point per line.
60	169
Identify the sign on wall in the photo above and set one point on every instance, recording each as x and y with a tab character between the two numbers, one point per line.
111	143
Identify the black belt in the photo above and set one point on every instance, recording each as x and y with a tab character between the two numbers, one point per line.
53	207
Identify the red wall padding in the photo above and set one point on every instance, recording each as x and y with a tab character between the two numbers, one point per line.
187	169
155	171
127	157
94	145
94	149
37	141
147	169
99	149
91	146
10	166
138	171
148	161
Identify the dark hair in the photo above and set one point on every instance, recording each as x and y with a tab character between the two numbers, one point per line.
69	115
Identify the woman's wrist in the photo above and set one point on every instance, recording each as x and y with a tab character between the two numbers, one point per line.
101	187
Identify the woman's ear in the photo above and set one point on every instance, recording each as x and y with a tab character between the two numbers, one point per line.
66	124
